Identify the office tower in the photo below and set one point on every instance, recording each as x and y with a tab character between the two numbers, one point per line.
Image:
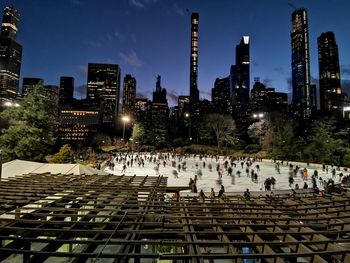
302	103
28	84
66	90
129	94
10	54
183	104
78	123
103	90
240	82
159	95
194	92
329	73
265	99
221	96
159	102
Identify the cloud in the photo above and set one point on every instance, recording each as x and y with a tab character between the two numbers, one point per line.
280	70
345	86
142	3
133	37
80	91
143	94
93	43
206	94
118	35
314	80
345	70
267	81
131	59
172	97
82	71
289	84
178	10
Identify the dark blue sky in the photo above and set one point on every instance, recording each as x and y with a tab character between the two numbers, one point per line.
150	37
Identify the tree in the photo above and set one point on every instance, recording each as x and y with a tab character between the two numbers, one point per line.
65	155
223	127
257	130
323	145
30	133
204	131
138	133
285	144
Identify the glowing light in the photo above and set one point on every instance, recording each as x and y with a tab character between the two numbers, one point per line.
125	119
246	39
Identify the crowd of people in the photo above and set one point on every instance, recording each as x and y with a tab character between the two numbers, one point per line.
227	166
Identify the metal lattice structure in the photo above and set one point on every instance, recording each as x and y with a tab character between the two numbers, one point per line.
56	218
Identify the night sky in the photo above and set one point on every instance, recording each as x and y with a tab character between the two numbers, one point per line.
151	37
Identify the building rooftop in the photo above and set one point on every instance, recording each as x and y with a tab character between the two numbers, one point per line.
77	218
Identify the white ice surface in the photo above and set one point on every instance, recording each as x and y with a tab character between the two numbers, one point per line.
209	179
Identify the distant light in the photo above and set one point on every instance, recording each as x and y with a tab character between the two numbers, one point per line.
255	115
246	39
261	115
125	118
187	115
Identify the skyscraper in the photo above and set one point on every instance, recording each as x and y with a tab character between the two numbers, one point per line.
129	94
104	90
240	82
302	103
194	92
10	54
160	102
329	72
220	96
66	90
28	84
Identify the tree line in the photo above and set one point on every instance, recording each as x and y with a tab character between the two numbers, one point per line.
29	132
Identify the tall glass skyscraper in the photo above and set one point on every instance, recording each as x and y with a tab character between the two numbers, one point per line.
129	94
194	92
103	90
329	73
10	54
240	82
301	64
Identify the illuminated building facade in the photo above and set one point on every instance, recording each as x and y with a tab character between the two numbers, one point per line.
221	96
10	54
103	90
194	91
265	99
77	124
302	103
329	73
240	82
129	94
183	104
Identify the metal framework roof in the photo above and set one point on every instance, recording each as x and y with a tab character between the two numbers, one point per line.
108	218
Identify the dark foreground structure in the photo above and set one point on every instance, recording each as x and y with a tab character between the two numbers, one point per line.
56	218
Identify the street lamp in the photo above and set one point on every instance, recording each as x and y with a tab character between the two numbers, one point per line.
258	115
125	119
187	115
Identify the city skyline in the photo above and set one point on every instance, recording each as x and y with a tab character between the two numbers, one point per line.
163	48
